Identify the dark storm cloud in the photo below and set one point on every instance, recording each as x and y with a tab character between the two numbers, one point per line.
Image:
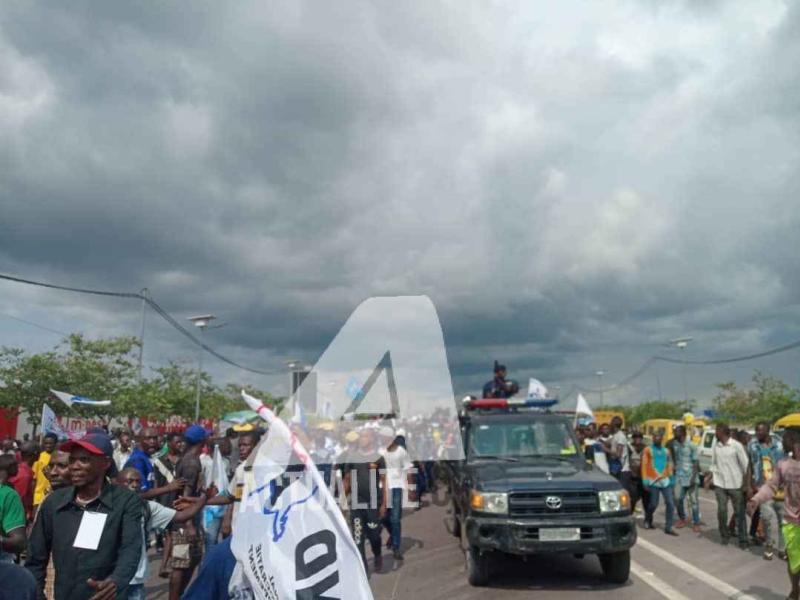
572	186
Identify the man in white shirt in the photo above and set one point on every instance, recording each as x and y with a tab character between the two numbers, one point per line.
156	517
729	467
619	455
123	450
398	478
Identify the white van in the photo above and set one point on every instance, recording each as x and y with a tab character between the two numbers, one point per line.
706	448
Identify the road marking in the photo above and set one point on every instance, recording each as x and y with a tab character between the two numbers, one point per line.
396	583
719	585
655	582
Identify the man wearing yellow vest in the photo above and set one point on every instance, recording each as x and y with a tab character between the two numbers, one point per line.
41	484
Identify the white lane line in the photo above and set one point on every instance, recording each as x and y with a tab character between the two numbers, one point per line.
655	582
719	585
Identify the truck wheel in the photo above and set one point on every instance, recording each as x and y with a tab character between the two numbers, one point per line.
616	566
477	567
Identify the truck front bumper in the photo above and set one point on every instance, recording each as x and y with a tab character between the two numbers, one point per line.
598	535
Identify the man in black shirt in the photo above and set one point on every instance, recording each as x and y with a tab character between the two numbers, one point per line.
187	542
92	529
364	479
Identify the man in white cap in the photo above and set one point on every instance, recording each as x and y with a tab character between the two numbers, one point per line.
398	478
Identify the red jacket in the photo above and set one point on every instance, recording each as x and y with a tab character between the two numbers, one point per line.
23	483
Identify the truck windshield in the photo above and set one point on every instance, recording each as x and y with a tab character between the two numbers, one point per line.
520	440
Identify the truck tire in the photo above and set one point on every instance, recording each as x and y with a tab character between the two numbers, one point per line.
456	521
477	567
616	566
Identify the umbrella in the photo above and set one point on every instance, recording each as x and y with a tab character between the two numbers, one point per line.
240	417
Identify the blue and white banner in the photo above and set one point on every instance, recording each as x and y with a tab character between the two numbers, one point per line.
69	400
295	543
50	423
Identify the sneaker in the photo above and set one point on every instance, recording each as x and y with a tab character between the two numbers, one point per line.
397	555
769	553
696	528
680	524
378	564
782	555
671	532
648	526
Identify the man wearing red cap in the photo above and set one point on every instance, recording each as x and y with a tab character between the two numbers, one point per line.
92	528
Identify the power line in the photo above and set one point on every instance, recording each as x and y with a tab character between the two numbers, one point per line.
723	361
153	305
679	361
37	325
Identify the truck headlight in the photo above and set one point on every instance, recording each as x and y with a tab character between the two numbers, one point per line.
489	502
614	501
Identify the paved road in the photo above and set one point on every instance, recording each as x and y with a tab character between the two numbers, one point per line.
689	566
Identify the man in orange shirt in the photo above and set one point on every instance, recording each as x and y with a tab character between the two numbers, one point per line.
658	478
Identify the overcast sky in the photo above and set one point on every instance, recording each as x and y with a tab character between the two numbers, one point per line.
572	183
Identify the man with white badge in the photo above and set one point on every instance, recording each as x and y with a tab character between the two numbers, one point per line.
93	529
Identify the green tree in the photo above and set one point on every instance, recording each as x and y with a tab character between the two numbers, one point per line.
105	369
654	409
768	400
27	379
100	369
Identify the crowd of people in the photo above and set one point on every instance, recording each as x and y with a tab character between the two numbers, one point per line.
755	475
82	518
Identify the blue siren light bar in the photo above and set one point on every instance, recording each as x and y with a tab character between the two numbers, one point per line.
486	403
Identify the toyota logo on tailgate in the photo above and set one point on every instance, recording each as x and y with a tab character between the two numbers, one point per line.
553	502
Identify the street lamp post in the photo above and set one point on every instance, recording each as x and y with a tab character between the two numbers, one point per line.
201	322
141	332
680	344
600	374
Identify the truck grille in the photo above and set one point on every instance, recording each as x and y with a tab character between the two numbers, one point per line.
534	504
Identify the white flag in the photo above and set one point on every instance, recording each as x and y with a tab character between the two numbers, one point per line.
219	477
536	390
583	408
69	400
300	546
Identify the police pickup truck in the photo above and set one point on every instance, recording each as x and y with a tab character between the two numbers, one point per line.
525	488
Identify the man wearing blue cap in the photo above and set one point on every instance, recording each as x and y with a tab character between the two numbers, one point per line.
92	529
187	541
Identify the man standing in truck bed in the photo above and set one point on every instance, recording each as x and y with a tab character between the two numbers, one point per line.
499	387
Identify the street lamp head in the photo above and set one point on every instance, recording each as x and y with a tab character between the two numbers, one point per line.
202	320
